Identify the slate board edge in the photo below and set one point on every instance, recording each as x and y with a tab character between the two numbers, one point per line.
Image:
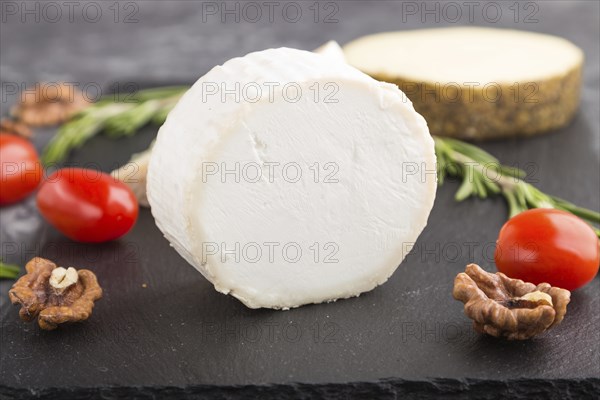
382	389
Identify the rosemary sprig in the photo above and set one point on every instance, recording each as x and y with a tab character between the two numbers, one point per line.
483	175
9	271
115	117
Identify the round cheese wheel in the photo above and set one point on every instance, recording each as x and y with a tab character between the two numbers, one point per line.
287	177
478	83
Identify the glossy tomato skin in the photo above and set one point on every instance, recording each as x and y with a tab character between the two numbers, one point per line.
548	245
21	168
87	205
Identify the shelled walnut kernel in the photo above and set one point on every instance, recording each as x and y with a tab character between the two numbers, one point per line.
510	308
54	294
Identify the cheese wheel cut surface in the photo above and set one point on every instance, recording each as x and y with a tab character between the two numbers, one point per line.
309	185
472	82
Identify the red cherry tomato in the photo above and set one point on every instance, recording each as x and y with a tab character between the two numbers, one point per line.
21	168
87	205
547	245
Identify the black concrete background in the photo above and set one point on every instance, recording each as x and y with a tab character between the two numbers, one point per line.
178	337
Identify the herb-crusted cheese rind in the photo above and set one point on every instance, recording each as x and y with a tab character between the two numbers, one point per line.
478	83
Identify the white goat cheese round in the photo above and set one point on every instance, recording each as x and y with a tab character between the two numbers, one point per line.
287	178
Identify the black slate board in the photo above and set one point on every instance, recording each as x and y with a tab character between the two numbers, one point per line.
177	337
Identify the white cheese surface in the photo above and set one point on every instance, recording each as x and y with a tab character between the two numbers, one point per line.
331	49
278	239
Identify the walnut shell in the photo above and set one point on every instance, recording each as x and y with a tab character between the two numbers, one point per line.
494	303
37	298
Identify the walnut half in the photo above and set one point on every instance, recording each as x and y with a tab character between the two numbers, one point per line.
509	308
55	294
